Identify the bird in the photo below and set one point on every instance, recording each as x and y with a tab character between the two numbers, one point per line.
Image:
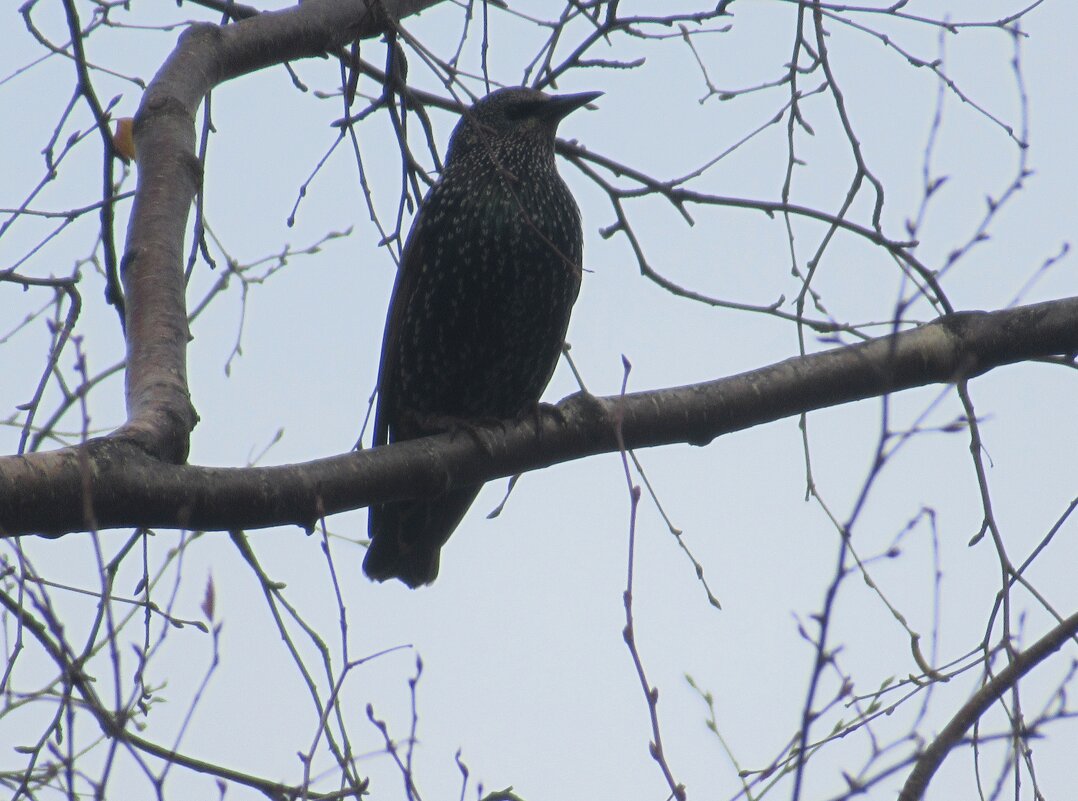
477	319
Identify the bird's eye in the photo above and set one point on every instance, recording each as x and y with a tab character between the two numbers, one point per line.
522	110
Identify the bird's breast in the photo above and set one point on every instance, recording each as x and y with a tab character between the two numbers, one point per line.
498	272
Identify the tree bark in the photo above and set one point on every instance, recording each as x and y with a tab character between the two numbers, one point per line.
160	415
109	482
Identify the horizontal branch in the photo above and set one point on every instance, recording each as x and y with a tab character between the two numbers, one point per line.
110	482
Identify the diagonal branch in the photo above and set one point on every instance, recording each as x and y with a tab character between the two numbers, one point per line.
115	725
160	413
932	757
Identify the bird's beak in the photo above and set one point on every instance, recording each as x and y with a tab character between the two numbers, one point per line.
560	106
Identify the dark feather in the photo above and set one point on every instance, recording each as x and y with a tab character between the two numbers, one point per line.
488	277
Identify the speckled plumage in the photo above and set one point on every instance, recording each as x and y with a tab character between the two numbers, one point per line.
489	275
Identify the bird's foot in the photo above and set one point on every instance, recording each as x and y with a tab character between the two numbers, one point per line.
536	412
477	428
584	406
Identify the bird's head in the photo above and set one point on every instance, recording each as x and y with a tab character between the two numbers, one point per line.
512	121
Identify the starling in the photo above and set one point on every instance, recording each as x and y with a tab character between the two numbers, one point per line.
488	277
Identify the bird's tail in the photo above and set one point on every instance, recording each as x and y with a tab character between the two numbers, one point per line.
407	536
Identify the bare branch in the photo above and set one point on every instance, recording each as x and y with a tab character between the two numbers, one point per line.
43	492
932	757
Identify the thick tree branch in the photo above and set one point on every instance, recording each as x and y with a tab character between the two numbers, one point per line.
44	492
160	414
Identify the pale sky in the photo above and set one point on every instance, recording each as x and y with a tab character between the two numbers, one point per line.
525	669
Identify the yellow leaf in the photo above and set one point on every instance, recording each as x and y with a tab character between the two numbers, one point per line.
124	138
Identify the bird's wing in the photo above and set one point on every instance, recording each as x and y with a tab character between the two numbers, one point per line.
403	287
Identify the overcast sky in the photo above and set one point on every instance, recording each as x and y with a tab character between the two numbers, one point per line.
525	668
